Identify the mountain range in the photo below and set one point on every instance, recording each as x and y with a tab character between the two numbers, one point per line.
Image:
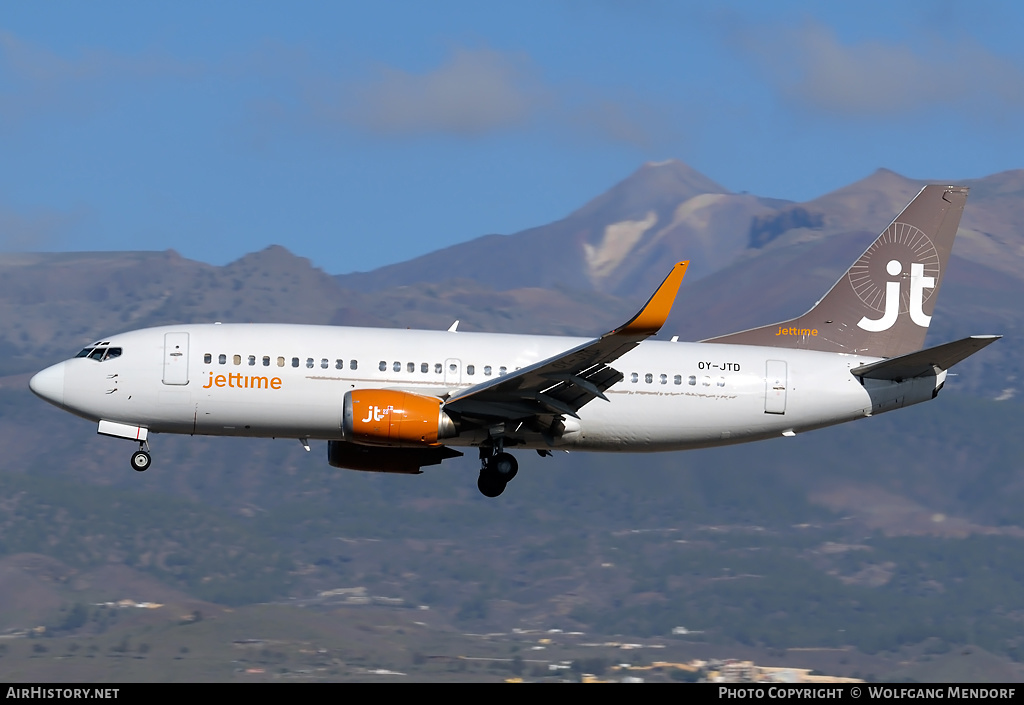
754	260
892	515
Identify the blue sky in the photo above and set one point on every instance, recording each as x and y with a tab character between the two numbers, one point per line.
360	134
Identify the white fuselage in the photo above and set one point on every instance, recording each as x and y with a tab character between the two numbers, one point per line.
279	380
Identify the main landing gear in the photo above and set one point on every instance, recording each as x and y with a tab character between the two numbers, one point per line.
141	459
497	470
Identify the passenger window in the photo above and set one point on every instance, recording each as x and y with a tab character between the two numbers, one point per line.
309	363
353	365
252	361
706	381
237	359
339	364
648	378
437	368
397	367
266	360
487	370
664	379
295	362
207	358
721	381
453	367
222	359
410	367
692	380
470	369
634	378
112	353
383	366
502	371
324	363
678	379
424	367
280	362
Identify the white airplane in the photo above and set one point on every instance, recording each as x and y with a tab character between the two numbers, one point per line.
398	400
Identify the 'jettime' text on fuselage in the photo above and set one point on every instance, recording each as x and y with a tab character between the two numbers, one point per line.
237	380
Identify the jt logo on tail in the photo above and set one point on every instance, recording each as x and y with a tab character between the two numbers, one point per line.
863	312
918	283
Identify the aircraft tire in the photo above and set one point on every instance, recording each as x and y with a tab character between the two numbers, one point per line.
141	461
489	485
503	466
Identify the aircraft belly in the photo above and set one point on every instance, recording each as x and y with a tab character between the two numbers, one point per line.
287	420
712	416
665	421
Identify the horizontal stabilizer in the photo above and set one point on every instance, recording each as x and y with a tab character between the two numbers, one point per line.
925	362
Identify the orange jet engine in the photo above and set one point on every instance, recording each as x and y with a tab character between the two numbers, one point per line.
387	417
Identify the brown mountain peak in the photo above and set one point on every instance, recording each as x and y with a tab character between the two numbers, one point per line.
657	186
274	257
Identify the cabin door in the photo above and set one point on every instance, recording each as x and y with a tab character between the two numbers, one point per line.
176	358
775	387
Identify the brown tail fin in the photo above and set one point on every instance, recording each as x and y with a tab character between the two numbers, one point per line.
883	304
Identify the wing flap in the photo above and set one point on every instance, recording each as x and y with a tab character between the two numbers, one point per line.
564	383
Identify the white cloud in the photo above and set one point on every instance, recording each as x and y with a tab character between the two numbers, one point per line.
476	92
811	65
34	79
473	92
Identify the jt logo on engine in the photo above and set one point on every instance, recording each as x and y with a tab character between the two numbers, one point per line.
376	413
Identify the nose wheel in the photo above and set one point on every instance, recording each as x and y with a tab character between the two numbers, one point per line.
141	459
497	471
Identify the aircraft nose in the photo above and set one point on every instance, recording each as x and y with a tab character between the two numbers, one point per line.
49	384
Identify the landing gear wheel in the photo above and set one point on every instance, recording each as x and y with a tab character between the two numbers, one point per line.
496	473
141	461
489	485
503	466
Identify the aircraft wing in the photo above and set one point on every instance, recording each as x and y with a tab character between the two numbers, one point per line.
925	362
563	384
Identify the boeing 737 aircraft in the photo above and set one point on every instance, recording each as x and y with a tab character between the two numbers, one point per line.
399	400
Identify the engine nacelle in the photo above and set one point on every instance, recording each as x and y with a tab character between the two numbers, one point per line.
386	417
353	456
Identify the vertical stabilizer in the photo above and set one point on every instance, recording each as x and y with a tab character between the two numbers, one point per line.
883	304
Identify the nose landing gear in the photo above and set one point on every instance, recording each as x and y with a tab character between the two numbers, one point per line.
141	459
498	469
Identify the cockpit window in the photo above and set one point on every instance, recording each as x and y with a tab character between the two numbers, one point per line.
100	354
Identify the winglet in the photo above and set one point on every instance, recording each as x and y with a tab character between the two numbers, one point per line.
652	316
